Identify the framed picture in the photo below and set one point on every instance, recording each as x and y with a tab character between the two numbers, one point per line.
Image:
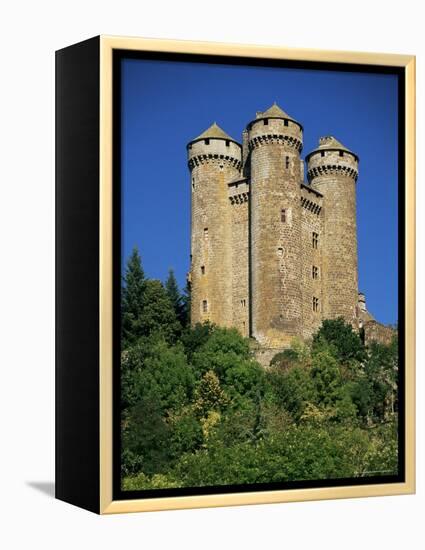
235	274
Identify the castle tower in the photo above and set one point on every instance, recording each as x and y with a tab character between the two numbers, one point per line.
333	171
275	143
214	159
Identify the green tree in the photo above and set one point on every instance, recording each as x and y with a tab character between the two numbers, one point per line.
298	453
227	354
145	437
157	384
291	390
285	359
382	456
142	481
239	423
186	305
209	395
197	409
345	343
382	373
158	315
173	292
195	337
154	367
326	377
225	340
132	298
333	395
362	396
187	435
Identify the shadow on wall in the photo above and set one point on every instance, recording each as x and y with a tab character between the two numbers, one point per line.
46	487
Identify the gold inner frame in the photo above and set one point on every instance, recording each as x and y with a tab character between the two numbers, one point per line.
107	504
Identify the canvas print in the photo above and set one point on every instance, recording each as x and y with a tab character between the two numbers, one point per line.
259	307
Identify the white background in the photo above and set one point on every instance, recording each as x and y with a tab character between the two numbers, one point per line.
29	33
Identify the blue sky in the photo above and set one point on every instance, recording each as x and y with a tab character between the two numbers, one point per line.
166	104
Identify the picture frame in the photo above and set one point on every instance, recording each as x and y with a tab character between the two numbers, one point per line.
88	271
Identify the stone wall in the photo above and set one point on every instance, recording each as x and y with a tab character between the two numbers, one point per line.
334	174
239	205
265	355
275	231
376	332
311	222
212	165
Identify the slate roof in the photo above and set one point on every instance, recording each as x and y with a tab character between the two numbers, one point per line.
330	143
274	112
214	132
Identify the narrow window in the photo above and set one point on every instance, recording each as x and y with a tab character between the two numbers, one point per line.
203	269
285	123
283	215
287	162
266	121
322	154
193	184
207	141
243	303
280	251
315	272
204	306
315	304
315	240
227	143
341	153
206	233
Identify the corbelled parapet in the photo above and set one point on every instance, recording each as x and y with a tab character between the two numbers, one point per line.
214	146
274	126
331	158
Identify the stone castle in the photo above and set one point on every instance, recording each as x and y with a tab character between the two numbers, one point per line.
272	255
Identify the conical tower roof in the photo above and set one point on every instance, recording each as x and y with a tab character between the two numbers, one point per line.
274	112
214	132
330	143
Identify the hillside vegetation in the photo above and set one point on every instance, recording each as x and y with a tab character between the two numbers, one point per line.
198	410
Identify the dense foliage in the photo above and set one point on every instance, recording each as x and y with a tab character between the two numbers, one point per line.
197	409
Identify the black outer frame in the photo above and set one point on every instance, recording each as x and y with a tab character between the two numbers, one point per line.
77	274
118	56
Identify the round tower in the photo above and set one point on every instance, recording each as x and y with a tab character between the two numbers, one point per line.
332	169
275	143
214	159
